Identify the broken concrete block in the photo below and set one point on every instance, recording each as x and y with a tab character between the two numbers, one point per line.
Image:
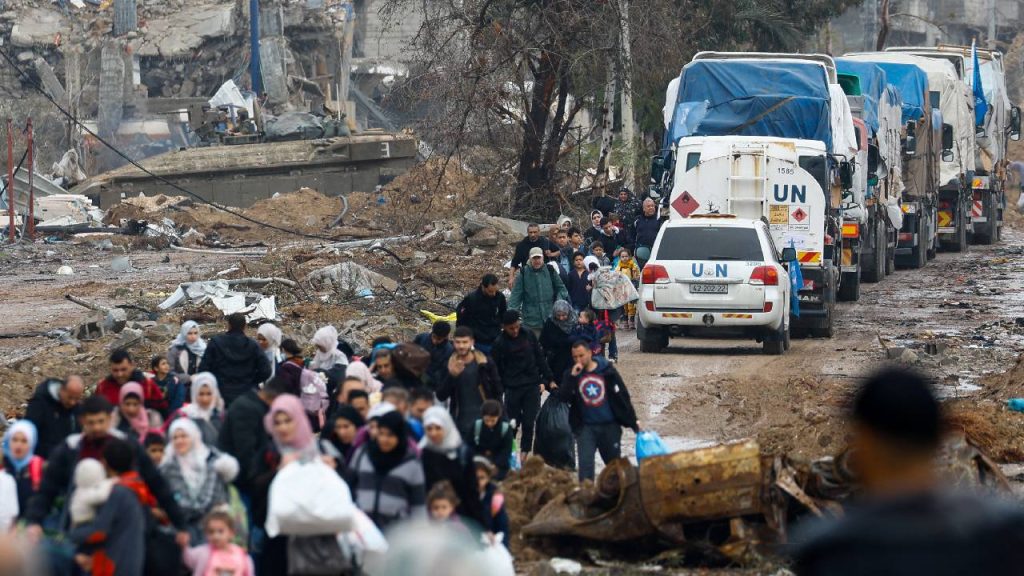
418	258
126	339
115	321
37	27
908	357
894	353
473	222
485	237
451	237
352	276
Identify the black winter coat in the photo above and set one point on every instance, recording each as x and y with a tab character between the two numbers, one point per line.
58	478
488	381
53	421
243	435
238	363
483	314
557	347
461	472
520	360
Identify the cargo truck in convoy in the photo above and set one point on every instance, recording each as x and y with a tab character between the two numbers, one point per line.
1001	123
956	169
920	150
766	137
872	222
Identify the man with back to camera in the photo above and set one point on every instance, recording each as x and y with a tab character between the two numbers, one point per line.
236	360
907	522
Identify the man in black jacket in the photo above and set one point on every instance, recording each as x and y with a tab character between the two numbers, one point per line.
481	311
646	228
524	373
522	253
599	407
236	360
469	380
96	432
242	434
54	410
437	344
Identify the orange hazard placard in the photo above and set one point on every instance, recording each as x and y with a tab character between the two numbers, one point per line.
945	218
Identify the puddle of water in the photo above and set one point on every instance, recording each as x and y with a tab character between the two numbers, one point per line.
965	386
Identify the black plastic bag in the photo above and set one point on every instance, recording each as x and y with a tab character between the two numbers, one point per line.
555	443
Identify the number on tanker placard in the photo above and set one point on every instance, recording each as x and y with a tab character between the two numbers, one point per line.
785	170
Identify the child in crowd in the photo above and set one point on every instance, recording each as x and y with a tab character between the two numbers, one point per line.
172	389
155	444
348	385
597	251
442	502
628	266
492	437
116	536
586	329
92	488
399	398
491	499
220	556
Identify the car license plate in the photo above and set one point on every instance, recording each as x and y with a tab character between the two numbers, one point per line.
709	288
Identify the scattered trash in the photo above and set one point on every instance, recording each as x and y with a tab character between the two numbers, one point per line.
648	444
349	276
65	271
565	566
1016	404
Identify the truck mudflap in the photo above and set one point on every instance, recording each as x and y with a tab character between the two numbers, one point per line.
986	210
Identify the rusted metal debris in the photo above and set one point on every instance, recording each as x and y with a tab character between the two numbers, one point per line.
732	485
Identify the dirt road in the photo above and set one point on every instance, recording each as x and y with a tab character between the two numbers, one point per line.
704	391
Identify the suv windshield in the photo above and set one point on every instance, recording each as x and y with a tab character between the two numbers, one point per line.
708	243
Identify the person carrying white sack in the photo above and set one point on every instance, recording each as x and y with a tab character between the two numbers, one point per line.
92	489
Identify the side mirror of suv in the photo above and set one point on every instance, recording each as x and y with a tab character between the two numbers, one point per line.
788	254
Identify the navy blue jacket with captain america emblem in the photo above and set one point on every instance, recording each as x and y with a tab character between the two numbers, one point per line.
597	397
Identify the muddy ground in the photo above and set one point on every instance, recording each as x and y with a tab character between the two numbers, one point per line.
961	320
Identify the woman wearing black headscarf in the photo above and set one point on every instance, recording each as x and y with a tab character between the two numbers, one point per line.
555	340
340	431
386	476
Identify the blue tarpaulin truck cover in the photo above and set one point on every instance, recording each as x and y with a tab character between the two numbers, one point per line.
872	86
753	98
912	82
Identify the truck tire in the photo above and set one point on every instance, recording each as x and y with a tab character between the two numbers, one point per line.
959	243
849	287
873	265
890	259
919	255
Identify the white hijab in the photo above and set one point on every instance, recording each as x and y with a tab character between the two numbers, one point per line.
198	381
199	346
439	416
273	352
327	337
192	463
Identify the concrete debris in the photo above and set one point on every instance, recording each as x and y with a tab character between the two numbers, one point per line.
228	301
121	263
126	339
181	33
352	277
38	27
65	271
565	566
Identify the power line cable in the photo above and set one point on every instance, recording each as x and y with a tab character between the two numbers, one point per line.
159	178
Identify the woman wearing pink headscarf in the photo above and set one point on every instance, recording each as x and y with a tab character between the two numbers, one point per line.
288	425
131	415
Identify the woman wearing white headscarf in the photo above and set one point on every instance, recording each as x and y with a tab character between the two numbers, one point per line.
446	457
186	351
268	337
207	407
197	475
328	359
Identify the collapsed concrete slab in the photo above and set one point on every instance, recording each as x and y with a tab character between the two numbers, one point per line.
38	27
181	33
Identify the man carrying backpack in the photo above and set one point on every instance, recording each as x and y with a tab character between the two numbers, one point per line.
535	291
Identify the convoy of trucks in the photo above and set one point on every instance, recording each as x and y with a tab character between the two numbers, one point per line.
858	164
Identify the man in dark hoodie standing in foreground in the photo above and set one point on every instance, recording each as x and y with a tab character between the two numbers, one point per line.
599	407
236	360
